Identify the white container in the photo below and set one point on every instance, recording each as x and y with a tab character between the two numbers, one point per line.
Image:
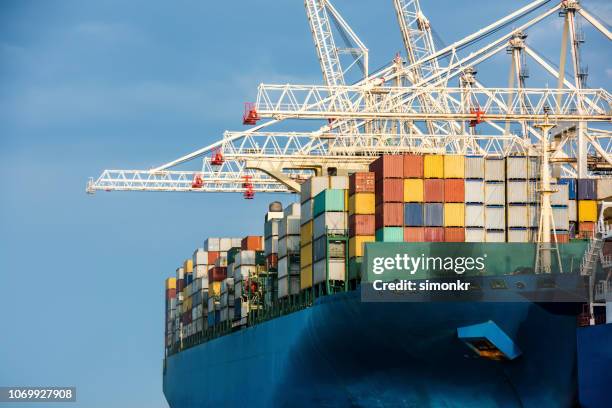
518	191
237	288
226	314
236	243
336	270
306	211
495	169
572	211
517	167
518	235
200	257
244	271
180	273
271	245
561	217
533	167
474	235
339	182
246	257
221	261
474	216
604	188
533	192
534	215
313	186
329	221
225	244
288	285
561	197
474	168
474	191
495	218
212	305
292	210
274	215
271	228
495	236
518	216
289	226
495	194
288	268
212	244
288	244
243	311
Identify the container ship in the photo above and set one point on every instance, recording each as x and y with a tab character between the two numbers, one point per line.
279	319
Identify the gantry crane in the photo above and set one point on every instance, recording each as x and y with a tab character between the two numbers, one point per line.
434	101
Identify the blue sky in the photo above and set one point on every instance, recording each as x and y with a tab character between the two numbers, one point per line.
88	85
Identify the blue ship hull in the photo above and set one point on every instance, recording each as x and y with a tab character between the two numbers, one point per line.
344	353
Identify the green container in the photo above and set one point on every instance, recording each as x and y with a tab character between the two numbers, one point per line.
390	234
355	267
260	258
231	254
331	200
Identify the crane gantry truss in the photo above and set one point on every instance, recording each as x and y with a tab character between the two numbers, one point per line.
432	102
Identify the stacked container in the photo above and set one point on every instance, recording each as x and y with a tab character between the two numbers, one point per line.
289	252
389	198
475	198
271	238
170	310
433	196
309	189
586	191
362	219
522	197
414	222
226	301
454	198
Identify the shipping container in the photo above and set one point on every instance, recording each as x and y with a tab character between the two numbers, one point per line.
517	167
200	271
289	226
454	166
170	283
272	262
413	191
390	191
572	210
288	266
329	269
252	242
388	166
334	223
413	166
434	214
306	277
604	188
561	237
495	236
289	244
288	285
357	245
586	189
306	231
454	215
339	182
571	187
188	265
214	289
518	191
361	182
518	216
362	225
433	166
306	210
518	235
454	190
320	247
271	245
212	256
200	257
217	274
533	191
243	272
414	234
212	244
433	190
561	195
413	215
454	234
474	167
434	234
495	169
312	187
495	193
474	215
587	210
329	201
362	203
475	235
245	257
271	227
495	217
306	256
474	191
390	215
561	218
390	234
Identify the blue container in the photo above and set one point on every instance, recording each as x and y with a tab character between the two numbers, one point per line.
188	278
587	189
390	234
214	318
413	214
434	215
571	187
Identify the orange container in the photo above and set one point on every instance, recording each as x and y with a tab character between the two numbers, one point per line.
454	234
434	234
389	191
413	166
252	243
454	190
361	182
388	166
389	215
562	238
212	257
360	224
272	262
433	190
414	234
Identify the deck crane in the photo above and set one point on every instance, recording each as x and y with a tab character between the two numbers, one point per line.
275	161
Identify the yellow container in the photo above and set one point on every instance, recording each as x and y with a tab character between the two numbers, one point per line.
187	304
413	191
188	266
433	166
362	203
454	166
356	245
306	277
306	233
170	283
454	215
214	289
306	255
587	211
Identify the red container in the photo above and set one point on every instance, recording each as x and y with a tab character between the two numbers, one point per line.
586	229
388	166
454	190
389	215
362	225
562	238
414	234
433	190
390	191
217	273
252	243
413	166
434	234
212	257
170	293
361	182
454	234
272	262
180	284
